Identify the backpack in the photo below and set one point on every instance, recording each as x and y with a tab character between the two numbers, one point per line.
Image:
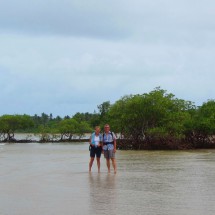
110	133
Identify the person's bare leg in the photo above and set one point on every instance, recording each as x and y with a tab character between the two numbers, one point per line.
108	164
91	163
114	164
98	164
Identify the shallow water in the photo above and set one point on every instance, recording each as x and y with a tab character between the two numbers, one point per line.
53	179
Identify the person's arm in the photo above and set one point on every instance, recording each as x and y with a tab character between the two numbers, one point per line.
100	140
101	143
90	140
114	143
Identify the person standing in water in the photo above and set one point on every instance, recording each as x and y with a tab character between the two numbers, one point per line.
109	147
95	147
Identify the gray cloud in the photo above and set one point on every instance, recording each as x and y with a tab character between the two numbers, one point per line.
107	19
71	18
69	56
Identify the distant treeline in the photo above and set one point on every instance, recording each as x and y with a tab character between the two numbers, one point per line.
154	120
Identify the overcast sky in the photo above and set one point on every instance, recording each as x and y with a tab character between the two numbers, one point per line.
68	56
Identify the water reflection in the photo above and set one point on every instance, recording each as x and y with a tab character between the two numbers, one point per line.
102	193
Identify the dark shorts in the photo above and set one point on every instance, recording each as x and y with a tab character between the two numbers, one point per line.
95	151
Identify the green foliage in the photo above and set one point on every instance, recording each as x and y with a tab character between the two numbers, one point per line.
82	128
154	120
143	119
92	119
201	128
11	123
103	111
69	127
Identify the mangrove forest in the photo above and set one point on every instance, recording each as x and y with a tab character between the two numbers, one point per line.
154	120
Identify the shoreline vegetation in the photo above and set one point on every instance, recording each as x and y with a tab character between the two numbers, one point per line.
43	141
122	143
151	121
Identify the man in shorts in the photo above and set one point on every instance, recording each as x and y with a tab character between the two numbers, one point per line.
109	147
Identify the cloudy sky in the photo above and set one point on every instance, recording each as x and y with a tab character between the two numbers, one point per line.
68	56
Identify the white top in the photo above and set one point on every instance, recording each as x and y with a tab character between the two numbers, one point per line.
96	139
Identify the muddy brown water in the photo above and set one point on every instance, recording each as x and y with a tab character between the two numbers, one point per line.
53	179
